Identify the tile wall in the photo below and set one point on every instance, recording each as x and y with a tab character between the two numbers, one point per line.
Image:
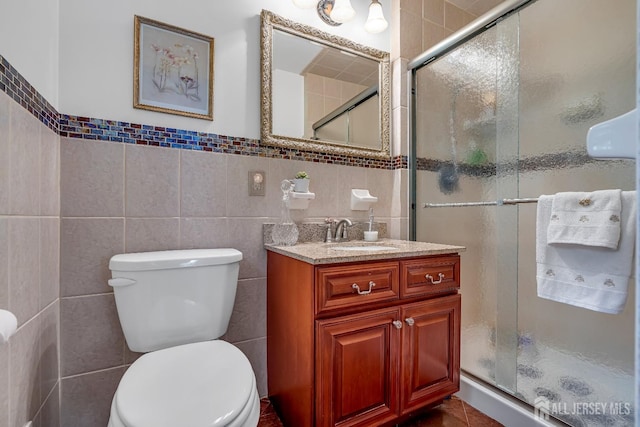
125	198
29	263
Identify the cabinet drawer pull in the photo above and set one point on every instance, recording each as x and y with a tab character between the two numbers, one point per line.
397	324
435	282
357	288
409	321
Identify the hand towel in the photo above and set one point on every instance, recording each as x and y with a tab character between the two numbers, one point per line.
589	219
592	277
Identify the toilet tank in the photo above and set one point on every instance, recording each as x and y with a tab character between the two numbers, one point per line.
169	298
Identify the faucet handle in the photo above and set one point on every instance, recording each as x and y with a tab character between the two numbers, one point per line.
327	237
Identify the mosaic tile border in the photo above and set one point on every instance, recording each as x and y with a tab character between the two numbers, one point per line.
17	87
564	160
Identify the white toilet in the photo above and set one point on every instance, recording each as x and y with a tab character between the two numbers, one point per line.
173	305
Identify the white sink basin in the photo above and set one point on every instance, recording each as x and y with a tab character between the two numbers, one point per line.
372	248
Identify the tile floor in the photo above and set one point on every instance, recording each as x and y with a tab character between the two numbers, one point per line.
451	413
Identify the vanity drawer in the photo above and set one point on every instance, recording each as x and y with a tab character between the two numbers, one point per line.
429	275
349	286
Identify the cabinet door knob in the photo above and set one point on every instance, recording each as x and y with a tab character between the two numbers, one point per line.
357	288
435	282
410	321
397	324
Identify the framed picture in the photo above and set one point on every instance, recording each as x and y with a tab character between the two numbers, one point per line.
173	70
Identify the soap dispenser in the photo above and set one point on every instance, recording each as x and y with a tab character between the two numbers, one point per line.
371	235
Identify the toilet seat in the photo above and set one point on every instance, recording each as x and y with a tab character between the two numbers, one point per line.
196	385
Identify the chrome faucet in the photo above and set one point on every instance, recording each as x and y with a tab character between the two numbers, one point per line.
341	229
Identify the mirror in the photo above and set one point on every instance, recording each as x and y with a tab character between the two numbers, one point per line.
322	92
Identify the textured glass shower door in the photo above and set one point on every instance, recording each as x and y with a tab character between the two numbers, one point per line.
505	115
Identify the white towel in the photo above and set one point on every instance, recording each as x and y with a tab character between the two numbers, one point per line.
590	219
586	276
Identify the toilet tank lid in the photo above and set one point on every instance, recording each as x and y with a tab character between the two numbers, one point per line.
162	260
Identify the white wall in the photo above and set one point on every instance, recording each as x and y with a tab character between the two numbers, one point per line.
288	103
29	41
96	56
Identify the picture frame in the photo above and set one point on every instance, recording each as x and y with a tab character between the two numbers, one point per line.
173	69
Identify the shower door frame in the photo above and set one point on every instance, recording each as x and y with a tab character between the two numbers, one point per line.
458	38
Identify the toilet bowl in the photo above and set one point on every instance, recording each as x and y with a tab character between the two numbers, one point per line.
204	384
174	305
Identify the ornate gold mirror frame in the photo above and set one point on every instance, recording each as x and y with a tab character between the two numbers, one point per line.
271	22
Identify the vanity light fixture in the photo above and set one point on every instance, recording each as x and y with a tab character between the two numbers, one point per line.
375	22
337	12
342	11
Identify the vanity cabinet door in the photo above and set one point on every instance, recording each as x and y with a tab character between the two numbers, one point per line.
431	351
357	367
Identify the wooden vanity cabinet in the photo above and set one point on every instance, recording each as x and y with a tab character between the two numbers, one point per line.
341	355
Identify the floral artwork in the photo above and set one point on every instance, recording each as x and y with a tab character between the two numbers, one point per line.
173	70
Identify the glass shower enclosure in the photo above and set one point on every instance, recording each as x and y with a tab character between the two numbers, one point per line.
504	115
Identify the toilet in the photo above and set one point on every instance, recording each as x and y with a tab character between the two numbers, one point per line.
173	305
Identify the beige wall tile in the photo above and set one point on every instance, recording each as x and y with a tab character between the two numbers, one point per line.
49	348
24	380
4	385
90	334
49	260
249	317
91	178
410	35
413	6
467	17
481	7
349	177
433	10
256	352
203	182
79	405
86	245
5	159
246	236
381	185
24	267
400	132
240	203
399	82
313	83
152	182
50	172
151	234
4	262
49	415
453	17
203	233
24	167
431	34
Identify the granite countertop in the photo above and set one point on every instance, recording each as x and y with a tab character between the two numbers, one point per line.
322	253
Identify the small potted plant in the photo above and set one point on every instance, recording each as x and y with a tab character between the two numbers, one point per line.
301	182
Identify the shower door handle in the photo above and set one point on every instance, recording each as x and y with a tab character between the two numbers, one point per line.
435	282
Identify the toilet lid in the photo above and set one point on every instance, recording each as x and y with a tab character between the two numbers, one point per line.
196	385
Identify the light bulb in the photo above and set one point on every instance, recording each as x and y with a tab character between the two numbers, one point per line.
305	4
375	22
342	11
